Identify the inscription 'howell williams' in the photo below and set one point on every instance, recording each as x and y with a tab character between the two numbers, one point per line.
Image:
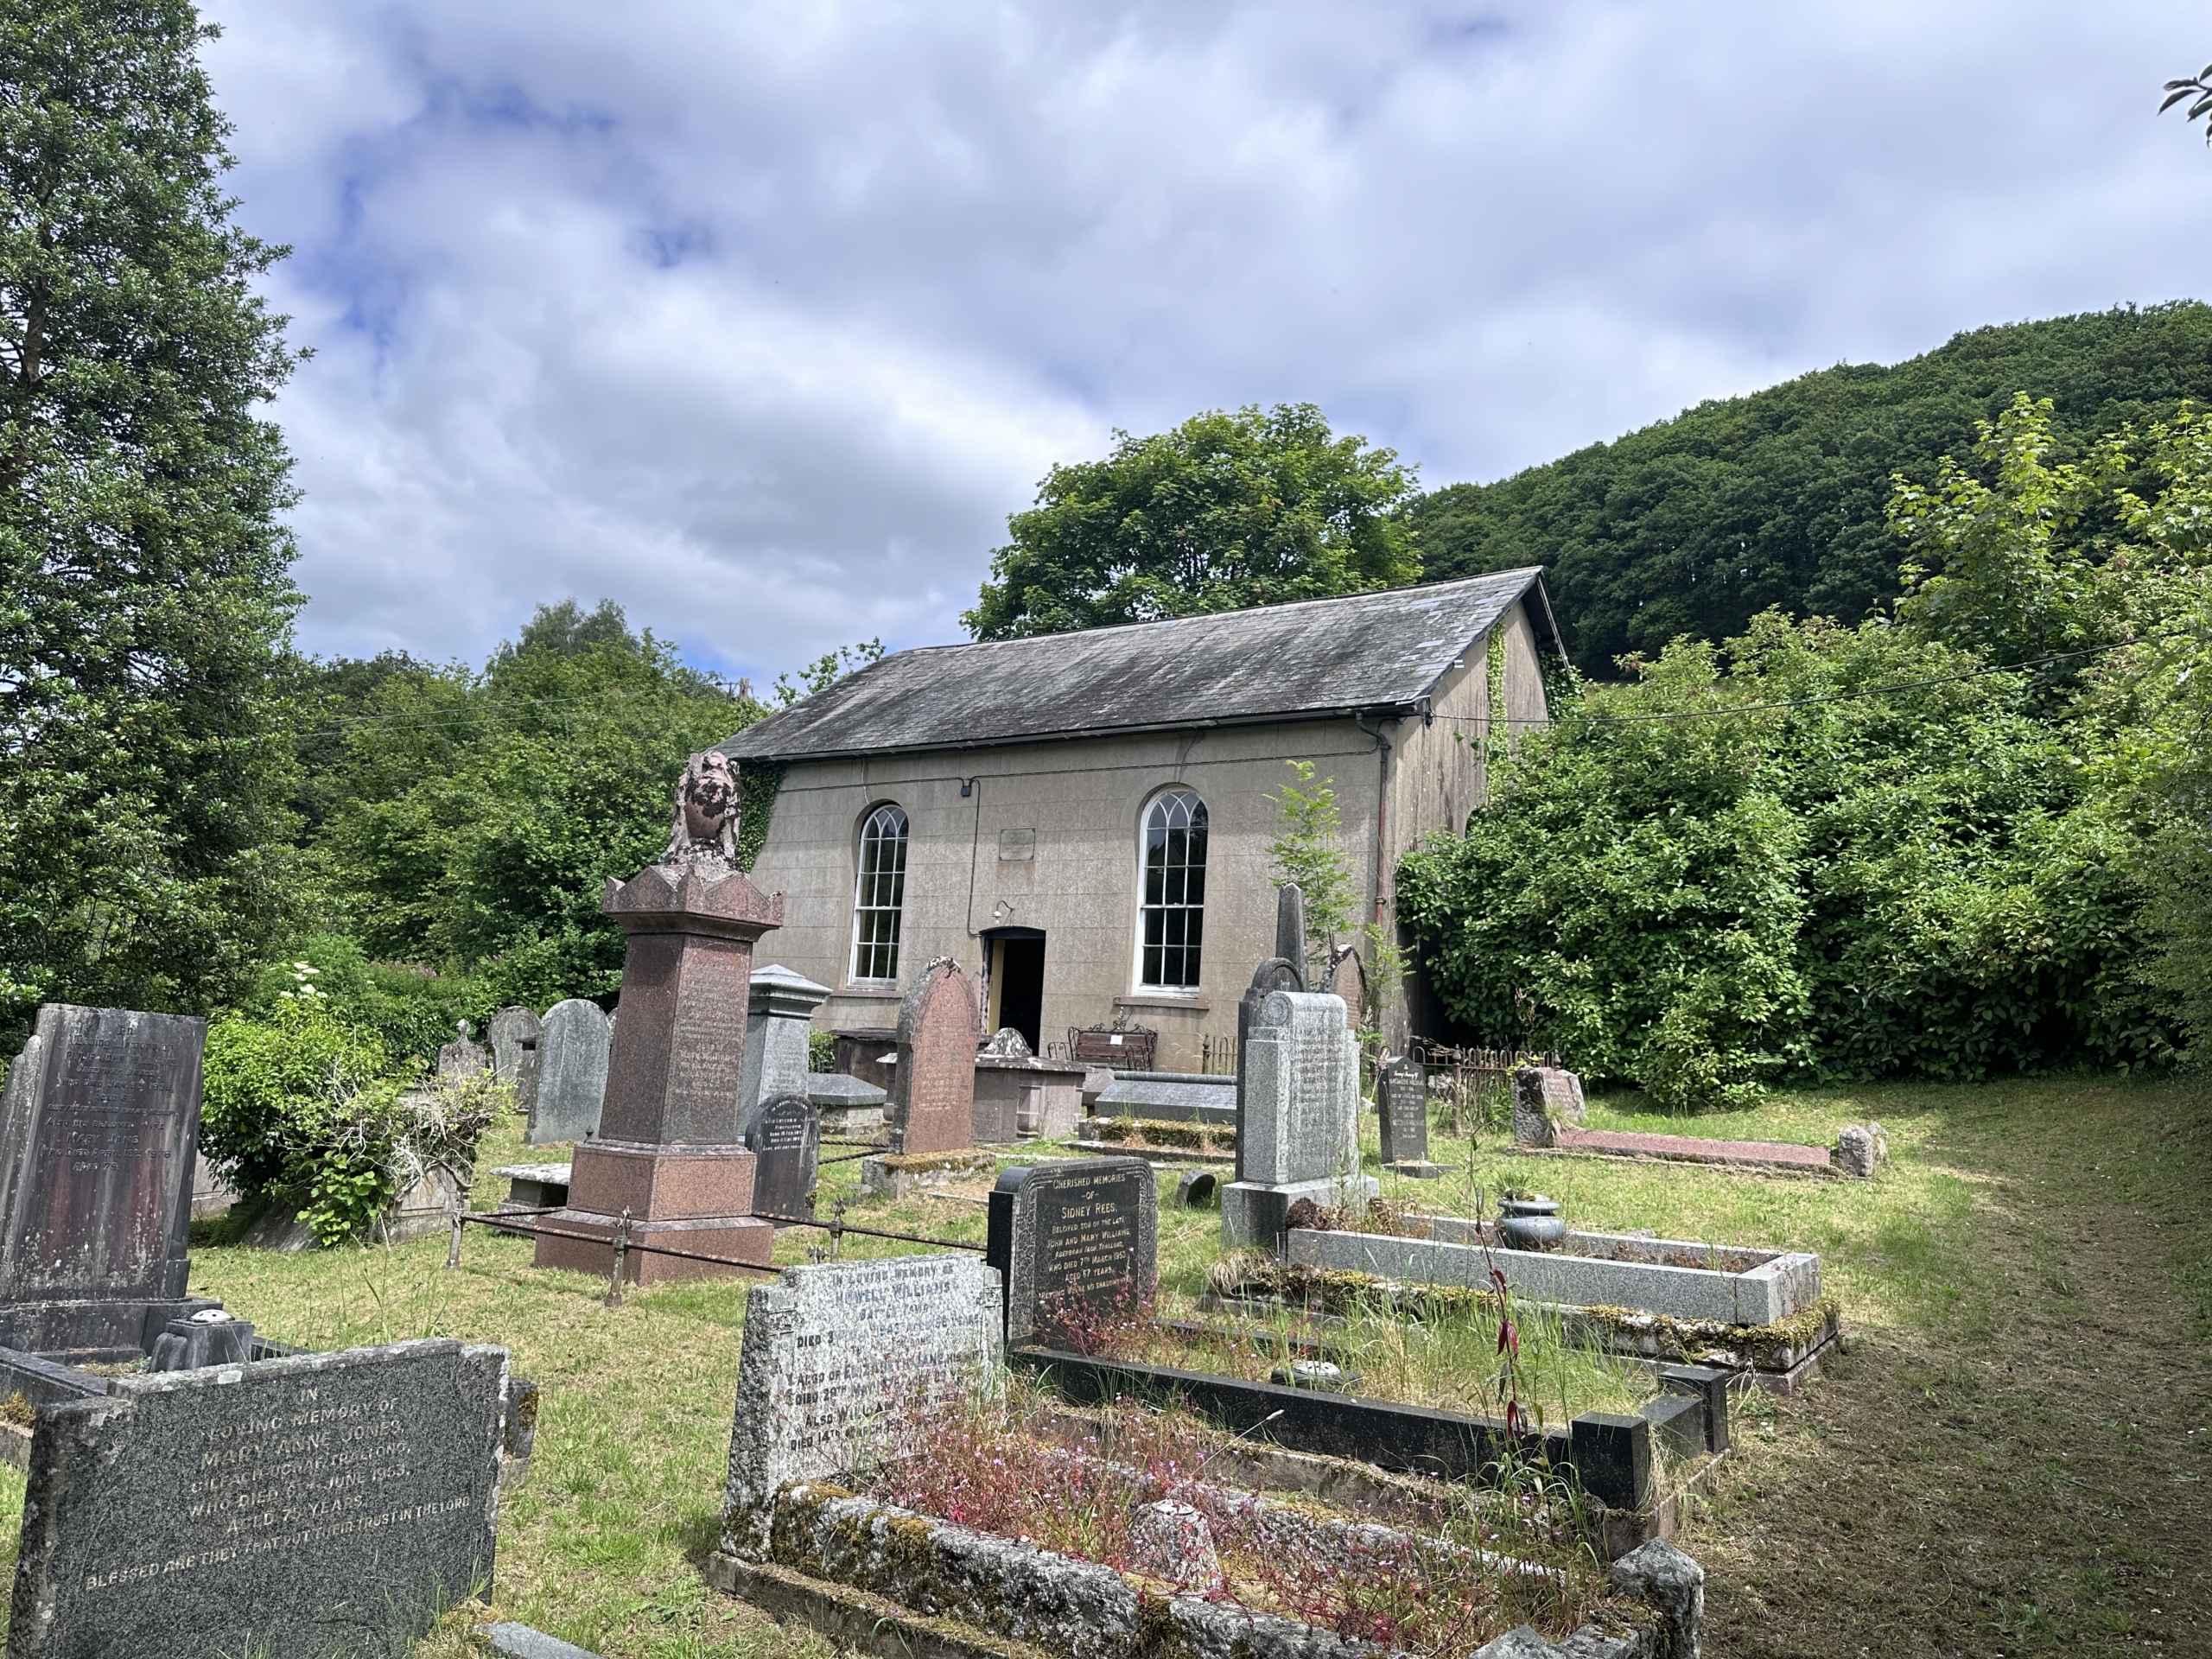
324	1503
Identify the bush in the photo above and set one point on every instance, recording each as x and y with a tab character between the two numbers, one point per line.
301	1108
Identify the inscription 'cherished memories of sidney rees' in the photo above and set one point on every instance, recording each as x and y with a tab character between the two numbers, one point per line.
327	1503
1075	1241
99	1134
835	1355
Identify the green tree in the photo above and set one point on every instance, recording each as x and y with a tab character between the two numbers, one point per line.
1222	512
478	817
144	593
1308	849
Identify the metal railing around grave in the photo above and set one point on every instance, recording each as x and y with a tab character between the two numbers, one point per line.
1475	1085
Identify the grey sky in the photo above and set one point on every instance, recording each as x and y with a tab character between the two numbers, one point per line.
761	318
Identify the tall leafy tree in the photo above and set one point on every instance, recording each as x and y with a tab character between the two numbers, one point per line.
1222	512
144	592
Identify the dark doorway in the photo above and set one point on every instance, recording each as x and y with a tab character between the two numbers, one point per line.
1018	983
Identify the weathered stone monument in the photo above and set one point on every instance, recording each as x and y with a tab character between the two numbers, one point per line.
1544	1096
779	1021
464	1056
847	1105
835	1358
572	1049
1290	930
1403	1096
328	1503
666	1164
1347	978
99	1139
1020	1097
1074	1242
931	1107
785	1138
1299	1136
514	1036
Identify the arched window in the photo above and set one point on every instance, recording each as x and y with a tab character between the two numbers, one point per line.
1174	890
880	894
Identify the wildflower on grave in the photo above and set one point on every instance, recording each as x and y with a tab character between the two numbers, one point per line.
1509	1338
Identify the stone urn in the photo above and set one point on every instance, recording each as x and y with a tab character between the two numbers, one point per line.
1533	1222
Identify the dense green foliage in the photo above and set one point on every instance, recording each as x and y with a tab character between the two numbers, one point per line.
144	598
470	821
1777	499
1225	512
1741	868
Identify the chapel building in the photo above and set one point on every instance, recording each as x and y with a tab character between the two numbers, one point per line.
1082	820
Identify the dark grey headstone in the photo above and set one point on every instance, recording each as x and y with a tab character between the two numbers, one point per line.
98	1138
327	1503
1087	1230
785	1138
1404	1093
1290	928
571	1074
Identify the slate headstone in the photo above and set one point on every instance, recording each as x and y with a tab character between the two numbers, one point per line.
327	1502
1544	1096
571	1074
463	1057
933	1086
786	1139
512	1028
1404	1100
837	1354
1075	1241
99	1141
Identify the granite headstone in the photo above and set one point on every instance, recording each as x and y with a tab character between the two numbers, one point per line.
1074	1242
933	1087
1276	973
785	1138
1404	1100
99	1141
571	1074
835	1357
321	1504
778	1029
1298	1135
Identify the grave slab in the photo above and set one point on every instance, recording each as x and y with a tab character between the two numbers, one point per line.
846	1104
98	1143
1689	1149
323	1503
1170	1096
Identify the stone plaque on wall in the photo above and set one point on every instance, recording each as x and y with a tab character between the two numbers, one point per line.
327	1503
98	1140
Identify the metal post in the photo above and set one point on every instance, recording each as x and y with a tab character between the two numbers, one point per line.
460	1213
836	1228
621	1256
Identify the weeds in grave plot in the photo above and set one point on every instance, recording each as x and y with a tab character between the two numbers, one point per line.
1479	1564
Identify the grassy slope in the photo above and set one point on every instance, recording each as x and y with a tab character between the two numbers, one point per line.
1695	524
2009	1458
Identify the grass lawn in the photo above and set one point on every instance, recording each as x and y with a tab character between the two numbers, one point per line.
2008	1462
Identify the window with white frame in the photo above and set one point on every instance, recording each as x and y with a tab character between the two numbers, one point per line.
1174	892
880	894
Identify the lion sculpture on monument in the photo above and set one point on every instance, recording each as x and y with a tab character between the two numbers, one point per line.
707	804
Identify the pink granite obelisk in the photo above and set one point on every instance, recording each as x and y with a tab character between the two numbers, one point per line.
667	1149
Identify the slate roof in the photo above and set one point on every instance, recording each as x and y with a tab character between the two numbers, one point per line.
1376	653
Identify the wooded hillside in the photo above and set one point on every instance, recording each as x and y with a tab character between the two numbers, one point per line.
1696	524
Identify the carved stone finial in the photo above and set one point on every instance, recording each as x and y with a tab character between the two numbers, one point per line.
706	804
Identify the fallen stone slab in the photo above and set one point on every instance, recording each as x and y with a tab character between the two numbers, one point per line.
523	1642
1765	1155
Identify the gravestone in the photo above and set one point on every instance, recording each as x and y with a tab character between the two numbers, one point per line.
327	1501
514	1037
1299	1136
1404	1099
933	1086
1544	1096
1276	973
98	1143
786	1141
777	1026
845	1104
463	1057
1290	929
1347	979
835	1357
666	1168
1074	1242
572	1051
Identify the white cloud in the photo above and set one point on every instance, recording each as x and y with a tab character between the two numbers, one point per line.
761	318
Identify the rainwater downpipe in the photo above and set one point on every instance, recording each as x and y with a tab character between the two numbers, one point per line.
1381	798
